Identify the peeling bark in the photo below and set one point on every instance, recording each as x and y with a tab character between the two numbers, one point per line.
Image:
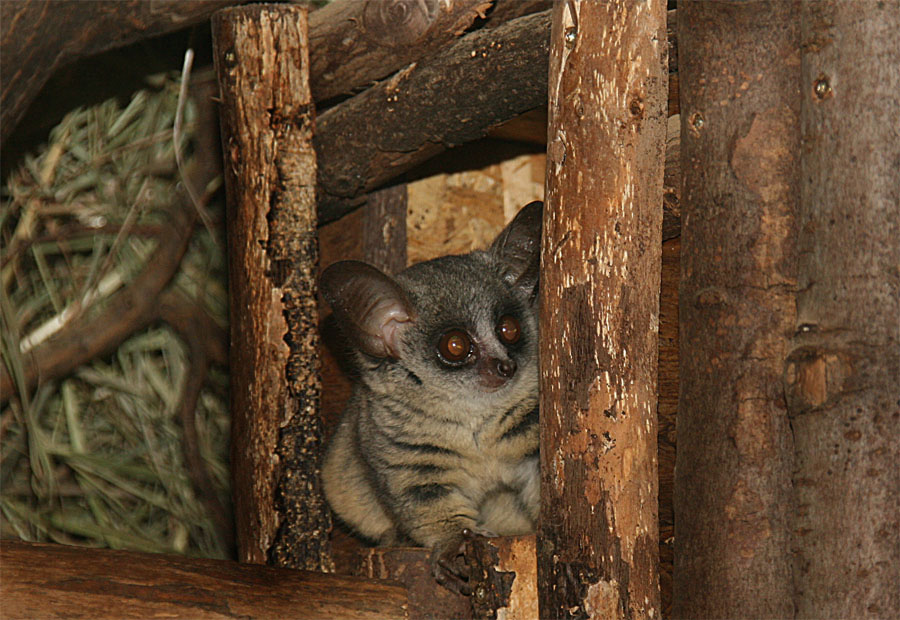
261	55
600	279
842	372
740	160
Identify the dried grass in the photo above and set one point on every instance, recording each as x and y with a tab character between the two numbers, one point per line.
96	459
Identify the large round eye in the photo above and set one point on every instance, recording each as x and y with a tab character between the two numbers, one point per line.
508	329
455	346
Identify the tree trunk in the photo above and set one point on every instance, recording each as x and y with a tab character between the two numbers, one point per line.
58	581
597	550
842	374
740	159
261	55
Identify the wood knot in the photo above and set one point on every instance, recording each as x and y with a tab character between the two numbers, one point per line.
393	23
812	377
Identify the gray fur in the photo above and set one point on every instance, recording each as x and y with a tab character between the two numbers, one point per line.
425	450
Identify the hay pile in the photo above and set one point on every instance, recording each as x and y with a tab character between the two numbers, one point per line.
96	458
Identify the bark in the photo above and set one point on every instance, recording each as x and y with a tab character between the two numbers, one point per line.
261	55
482	80
384	230
389	129
842	372
503	573
37	37
356	42
598	547
56	581
740	158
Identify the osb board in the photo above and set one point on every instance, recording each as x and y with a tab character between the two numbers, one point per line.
457	212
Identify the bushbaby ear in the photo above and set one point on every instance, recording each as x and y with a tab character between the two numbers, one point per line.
369	306
518	247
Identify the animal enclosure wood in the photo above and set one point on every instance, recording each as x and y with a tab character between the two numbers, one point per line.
37	37
600	279
261	55
357	42
842	371
57	581
454	97
740	154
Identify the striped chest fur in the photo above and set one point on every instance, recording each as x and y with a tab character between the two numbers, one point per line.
441	433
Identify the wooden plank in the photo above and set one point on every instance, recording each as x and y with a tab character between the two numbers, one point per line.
56	581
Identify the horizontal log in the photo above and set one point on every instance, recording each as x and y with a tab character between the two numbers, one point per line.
355	43
484	79
39	36
57	581
471	89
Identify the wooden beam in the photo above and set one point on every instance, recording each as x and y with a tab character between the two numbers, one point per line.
57	581
600	283
740	151
261	55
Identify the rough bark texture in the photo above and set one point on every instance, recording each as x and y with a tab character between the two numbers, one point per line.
262	64
39	36
355	42
56	581
454	97
503	573
600	279
842	373
740	158
411	566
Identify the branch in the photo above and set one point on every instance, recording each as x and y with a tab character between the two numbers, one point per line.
135	306
484	79
207	344
39	36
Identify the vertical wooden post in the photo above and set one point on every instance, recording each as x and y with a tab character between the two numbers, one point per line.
739	69
842	374
262	60
597	554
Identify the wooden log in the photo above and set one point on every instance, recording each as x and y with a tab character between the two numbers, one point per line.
482	80
261	55
387	130
411	566
39	36
356	42
740	153
57	581
503	573
842	372
598	546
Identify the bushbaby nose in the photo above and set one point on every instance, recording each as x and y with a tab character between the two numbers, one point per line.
506	368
